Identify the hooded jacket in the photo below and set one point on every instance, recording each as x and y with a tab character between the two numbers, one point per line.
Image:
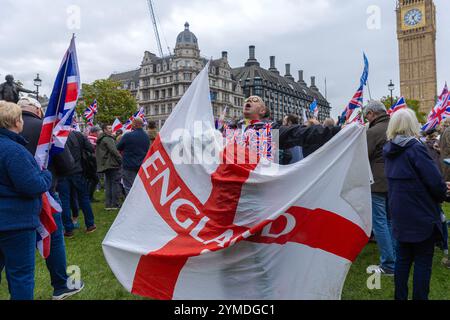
416	188
21	184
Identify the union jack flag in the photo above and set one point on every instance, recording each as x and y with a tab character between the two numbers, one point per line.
139	114
401	104
91	111
355	103
258	140
439	103
314	109
75	124
439	114
56	127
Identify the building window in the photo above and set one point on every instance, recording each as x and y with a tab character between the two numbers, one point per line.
187	76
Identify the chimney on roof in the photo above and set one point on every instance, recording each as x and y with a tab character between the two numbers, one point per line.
313	84
300	78
273	68
251	59
251	52
288	72
225	55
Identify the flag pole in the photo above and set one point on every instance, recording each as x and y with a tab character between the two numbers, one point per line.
368	88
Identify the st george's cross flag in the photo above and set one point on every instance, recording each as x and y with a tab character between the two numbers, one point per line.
224	230
57	125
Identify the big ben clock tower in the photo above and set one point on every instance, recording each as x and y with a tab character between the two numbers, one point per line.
416	31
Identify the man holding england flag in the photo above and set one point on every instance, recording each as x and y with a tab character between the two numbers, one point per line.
233	228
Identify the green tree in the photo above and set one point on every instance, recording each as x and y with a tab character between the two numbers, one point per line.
412	104
112	101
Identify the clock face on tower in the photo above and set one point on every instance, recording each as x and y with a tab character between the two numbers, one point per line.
413	17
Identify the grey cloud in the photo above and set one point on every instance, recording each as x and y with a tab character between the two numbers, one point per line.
326	38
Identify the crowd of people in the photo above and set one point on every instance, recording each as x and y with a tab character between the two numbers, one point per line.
72	178
408	190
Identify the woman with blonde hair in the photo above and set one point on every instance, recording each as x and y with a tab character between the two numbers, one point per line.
415	190
21	186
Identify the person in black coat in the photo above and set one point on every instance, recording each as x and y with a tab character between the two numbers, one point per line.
76	183
416	188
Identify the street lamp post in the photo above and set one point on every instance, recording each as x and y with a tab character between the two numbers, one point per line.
391	87
37	83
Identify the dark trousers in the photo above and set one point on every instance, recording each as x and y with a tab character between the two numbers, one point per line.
128	179
17	256
93	183
421	254
74	206
79	184
56	261
112	188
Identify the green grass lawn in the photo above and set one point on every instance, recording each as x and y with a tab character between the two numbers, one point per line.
85	251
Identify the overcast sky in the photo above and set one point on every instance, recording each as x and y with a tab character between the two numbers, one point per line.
326	38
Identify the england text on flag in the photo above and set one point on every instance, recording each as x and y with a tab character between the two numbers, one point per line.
253	231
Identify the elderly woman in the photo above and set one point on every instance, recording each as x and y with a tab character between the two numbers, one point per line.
21	186
416	188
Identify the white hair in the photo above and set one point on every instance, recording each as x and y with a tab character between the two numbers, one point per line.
403	123
29	102
375	106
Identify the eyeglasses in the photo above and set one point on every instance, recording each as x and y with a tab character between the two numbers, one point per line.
253	99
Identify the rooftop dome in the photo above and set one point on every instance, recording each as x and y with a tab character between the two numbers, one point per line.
186	37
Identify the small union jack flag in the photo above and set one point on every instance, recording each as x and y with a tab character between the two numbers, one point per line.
439	114
56	127
139	114
355	103
401	104
91	111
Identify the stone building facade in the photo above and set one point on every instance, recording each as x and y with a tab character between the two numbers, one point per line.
282	94
160	82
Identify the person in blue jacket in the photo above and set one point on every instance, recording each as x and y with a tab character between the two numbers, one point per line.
22	184
416	188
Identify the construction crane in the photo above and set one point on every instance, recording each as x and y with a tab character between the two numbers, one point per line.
155	26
